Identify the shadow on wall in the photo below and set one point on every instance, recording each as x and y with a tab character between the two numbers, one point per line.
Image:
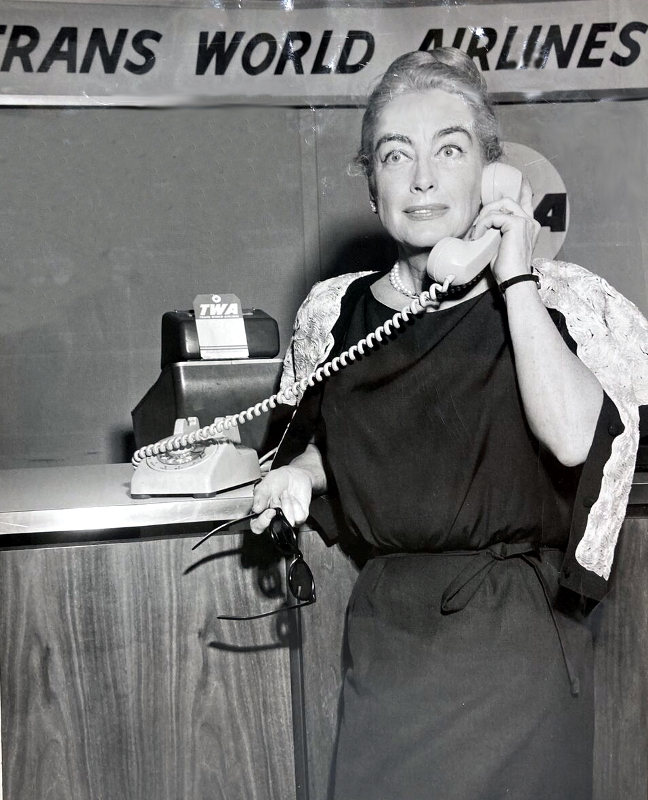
360	253
121	445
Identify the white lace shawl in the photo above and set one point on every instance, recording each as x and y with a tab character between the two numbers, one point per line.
612	340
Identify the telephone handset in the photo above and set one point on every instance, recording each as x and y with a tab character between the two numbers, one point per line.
461	259
202	461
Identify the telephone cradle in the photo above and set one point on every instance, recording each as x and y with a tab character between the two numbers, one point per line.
202	469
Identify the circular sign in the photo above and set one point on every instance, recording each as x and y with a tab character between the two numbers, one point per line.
550	201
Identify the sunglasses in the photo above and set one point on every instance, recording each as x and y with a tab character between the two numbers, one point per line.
300	578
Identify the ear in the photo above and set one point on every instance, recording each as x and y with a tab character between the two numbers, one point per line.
371	186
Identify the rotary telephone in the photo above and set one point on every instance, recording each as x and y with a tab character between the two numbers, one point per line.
204	461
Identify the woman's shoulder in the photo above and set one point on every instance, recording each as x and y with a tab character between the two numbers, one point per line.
312	338
563	280
321	308
596	313
326	294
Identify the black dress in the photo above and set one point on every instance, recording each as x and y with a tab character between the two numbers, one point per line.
468	674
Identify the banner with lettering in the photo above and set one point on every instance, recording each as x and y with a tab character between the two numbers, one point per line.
83	54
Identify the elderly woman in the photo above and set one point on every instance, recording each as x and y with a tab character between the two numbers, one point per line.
456	451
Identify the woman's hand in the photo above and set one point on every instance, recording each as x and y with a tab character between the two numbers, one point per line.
289	488
519	232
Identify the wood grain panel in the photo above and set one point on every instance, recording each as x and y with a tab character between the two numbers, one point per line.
119	681
621	746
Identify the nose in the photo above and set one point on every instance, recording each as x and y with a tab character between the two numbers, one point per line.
424	176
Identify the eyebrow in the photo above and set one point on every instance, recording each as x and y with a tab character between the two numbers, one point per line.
392	137
398	137
453	129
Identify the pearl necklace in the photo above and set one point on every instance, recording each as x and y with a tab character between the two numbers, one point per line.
397	283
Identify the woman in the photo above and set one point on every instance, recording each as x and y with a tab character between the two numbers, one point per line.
455	451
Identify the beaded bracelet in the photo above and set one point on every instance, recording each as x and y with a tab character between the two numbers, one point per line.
504	285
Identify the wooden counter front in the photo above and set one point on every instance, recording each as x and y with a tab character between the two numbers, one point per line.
118	681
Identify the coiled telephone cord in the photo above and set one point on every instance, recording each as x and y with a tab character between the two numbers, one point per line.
296	391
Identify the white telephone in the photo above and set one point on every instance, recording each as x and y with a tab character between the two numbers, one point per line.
200	469
202	461
466	259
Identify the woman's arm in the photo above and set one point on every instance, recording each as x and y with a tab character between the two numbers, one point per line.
290	488
561	397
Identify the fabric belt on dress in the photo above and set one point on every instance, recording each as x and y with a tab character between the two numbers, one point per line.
463	588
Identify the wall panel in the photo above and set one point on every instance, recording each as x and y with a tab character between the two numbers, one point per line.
112	217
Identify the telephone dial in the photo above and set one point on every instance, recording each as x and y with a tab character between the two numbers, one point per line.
203	461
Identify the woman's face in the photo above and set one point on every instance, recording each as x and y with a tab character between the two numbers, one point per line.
427	168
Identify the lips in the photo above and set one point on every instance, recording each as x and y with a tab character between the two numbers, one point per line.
432	211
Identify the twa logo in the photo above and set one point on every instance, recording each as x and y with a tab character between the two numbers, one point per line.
218	306
219	310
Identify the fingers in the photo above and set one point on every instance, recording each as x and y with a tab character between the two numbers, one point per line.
526	197
519	234
262	496
288	488
260	523
506	205
293	509
264	505
500	218
505	214
268	493
274	492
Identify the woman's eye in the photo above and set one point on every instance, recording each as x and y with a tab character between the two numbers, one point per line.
450	150
394	157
